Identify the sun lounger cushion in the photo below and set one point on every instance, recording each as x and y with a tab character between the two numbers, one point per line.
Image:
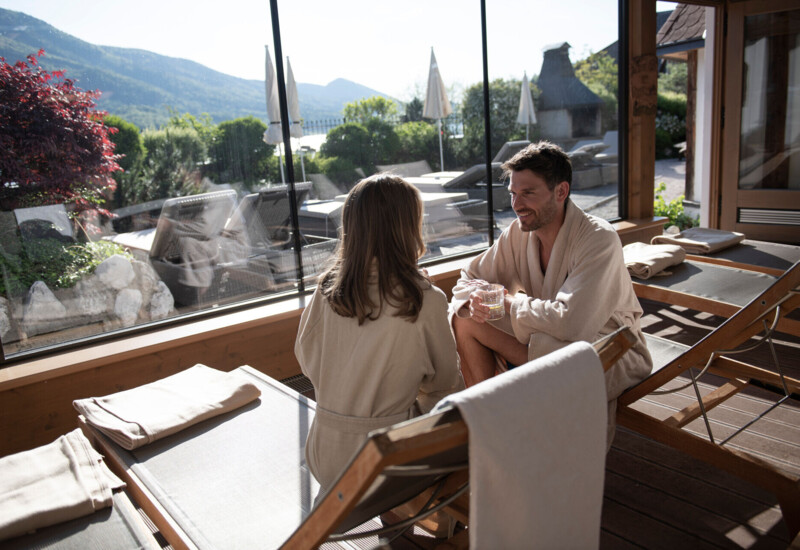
761	253
647	260
701	240
118	527
142	415
237	480
543	490
57	482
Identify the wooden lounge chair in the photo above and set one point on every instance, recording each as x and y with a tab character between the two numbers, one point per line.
672	360
118	527
240	481
767	257
714	286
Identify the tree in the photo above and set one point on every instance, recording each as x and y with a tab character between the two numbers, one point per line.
171	166
55	146
503	106
414	110
130	148
239	152
418	141
675	78
599	72
349	141
368	108
204	126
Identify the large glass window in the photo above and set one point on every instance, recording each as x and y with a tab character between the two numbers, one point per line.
770	128
566	55
191	209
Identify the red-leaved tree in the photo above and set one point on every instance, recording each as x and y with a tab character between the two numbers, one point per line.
54	147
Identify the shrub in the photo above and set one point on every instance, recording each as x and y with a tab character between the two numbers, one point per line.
673	210
418	141
55	147
57	263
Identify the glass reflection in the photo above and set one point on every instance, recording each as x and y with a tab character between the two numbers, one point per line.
770	130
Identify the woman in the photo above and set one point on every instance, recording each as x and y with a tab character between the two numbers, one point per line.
374	339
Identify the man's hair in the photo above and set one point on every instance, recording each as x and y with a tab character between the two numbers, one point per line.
546	160
381	227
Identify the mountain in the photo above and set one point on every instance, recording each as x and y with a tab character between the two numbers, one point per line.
140	86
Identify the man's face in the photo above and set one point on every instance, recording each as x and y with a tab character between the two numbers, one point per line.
535	205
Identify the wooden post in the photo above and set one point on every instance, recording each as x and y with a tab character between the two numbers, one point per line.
642	93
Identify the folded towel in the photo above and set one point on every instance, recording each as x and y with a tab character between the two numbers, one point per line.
139	416
63	480
701	240
537	448
646	260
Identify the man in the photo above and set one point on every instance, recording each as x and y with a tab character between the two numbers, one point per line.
564	273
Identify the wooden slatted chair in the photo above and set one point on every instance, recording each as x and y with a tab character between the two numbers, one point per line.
712	354
240	480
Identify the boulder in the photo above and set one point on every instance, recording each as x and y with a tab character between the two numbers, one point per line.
116	272
5	318
161	302
127	305
42	305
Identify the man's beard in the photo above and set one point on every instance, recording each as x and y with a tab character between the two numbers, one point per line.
546	215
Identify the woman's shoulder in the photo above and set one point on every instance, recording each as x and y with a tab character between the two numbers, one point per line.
433	297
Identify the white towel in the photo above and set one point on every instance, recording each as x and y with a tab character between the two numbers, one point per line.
701	240
647	260
139	416
537	447
57	482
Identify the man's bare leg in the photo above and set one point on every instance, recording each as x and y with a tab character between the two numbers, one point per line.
476	343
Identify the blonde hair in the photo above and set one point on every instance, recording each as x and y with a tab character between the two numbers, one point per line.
381	223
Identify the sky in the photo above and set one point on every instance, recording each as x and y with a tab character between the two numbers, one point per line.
383	45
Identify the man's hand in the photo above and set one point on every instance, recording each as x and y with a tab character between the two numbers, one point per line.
477	310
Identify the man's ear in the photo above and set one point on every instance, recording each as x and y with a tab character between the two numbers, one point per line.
562	190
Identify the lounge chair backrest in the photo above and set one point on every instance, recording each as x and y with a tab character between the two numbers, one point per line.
473	176
407	169
509	149
266	215
206	214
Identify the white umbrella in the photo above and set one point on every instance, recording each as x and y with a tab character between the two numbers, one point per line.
273	135
295	130
436	104
527	115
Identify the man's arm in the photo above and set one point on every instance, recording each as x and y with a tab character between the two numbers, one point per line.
586	300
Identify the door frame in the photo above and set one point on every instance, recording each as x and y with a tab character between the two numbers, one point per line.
733	198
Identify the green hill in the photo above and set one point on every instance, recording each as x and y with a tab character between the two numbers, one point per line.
140	86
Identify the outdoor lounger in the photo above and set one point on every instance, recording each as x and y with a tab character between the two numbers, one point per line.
119	527
694	429
62	495
206	248
706	284
239	480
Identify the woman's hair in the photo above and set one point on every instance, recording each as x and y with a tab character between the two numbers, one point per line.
381	223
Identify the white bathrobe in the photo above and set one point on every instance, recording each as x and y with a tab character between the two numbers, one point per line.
585	294
371	376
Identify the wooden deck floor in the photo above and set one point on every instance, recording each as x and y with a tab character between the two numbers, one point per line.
657	497
660	498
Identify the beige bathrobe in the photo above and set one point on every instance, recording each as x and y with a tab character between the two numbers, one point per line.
585	294
371	376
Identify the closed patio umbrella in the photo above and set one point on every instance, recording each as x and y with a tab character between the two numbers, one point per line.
436	105
295	130
273	135
527	115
